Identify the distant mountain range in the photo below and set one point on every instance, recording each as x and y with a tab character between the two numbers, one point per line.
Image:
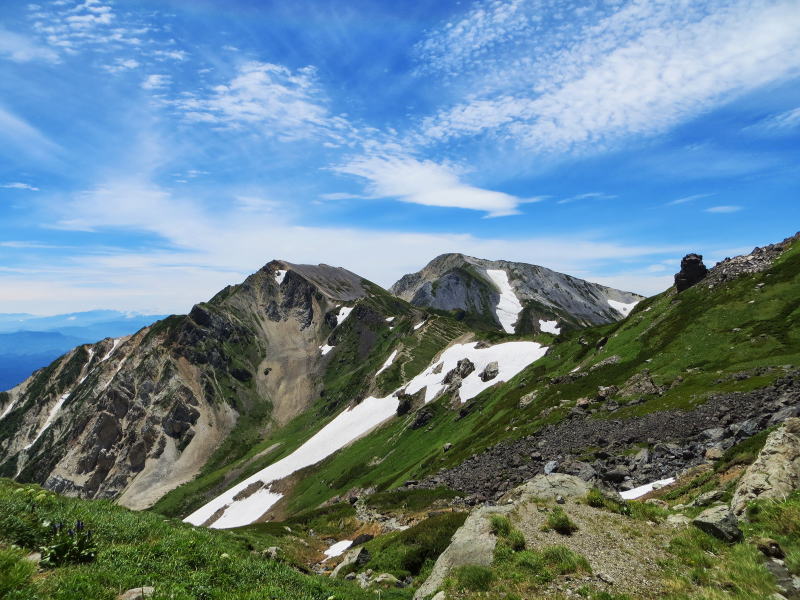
29	342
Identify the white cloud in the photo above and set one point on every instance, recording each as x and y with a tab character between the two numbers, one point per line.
723	209
637	71
19	186
426	182
280	102
20	48
156	82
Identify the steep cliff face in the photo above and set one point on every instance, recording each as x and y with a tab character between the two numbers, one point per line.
134	417
517	297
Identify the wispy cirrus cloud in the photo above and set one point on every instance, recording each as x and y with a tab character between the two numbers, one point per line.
587	196
17	185
687	199
723	209
21	48
634	71
782	122
427	183
23	137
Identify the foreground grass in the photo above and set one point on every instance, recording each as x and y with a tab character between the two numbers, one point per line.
137	549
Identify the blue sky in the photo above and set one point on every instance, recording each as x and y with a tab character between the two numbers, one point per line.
152	152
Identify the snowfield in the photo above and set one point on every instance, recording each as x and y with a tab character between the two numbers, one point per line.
549	326
621	307
646	488
508	308
279	275
512	357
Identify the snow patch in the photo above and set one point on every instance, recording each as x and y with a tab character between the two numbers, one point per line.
344	312
324	349
113	348
549	326
354	422
50	418
389	319
8	409
621	307
388	363
418	325
508	308
338	548
640	491
279	275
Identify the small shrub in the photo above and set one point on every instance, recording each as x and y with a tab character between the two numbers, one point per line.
560	522
595	498
501	526
535	565
564	561
474	578
516	540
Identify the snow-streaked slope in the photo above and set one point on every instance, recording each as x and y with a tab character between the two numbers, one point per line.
646	488
549	326
508	307
388	363
356	421
621	307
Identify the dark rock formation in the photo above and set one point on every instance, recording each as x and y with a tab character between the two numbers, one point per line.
692	271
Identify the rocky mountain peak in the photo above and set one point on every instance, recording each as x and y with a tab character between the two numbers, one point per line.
516	297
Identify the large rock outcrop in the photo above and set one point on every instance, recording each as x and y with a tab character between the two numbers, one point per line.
472	544
692	272
776	471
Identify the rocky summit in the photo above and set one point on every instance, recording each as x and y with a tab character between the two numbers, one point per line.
512	296
484	429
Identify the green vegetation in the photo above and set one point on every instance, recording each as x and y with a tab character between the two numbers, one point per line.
413	551
473	578
412	500
560	522
136	549
781	522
